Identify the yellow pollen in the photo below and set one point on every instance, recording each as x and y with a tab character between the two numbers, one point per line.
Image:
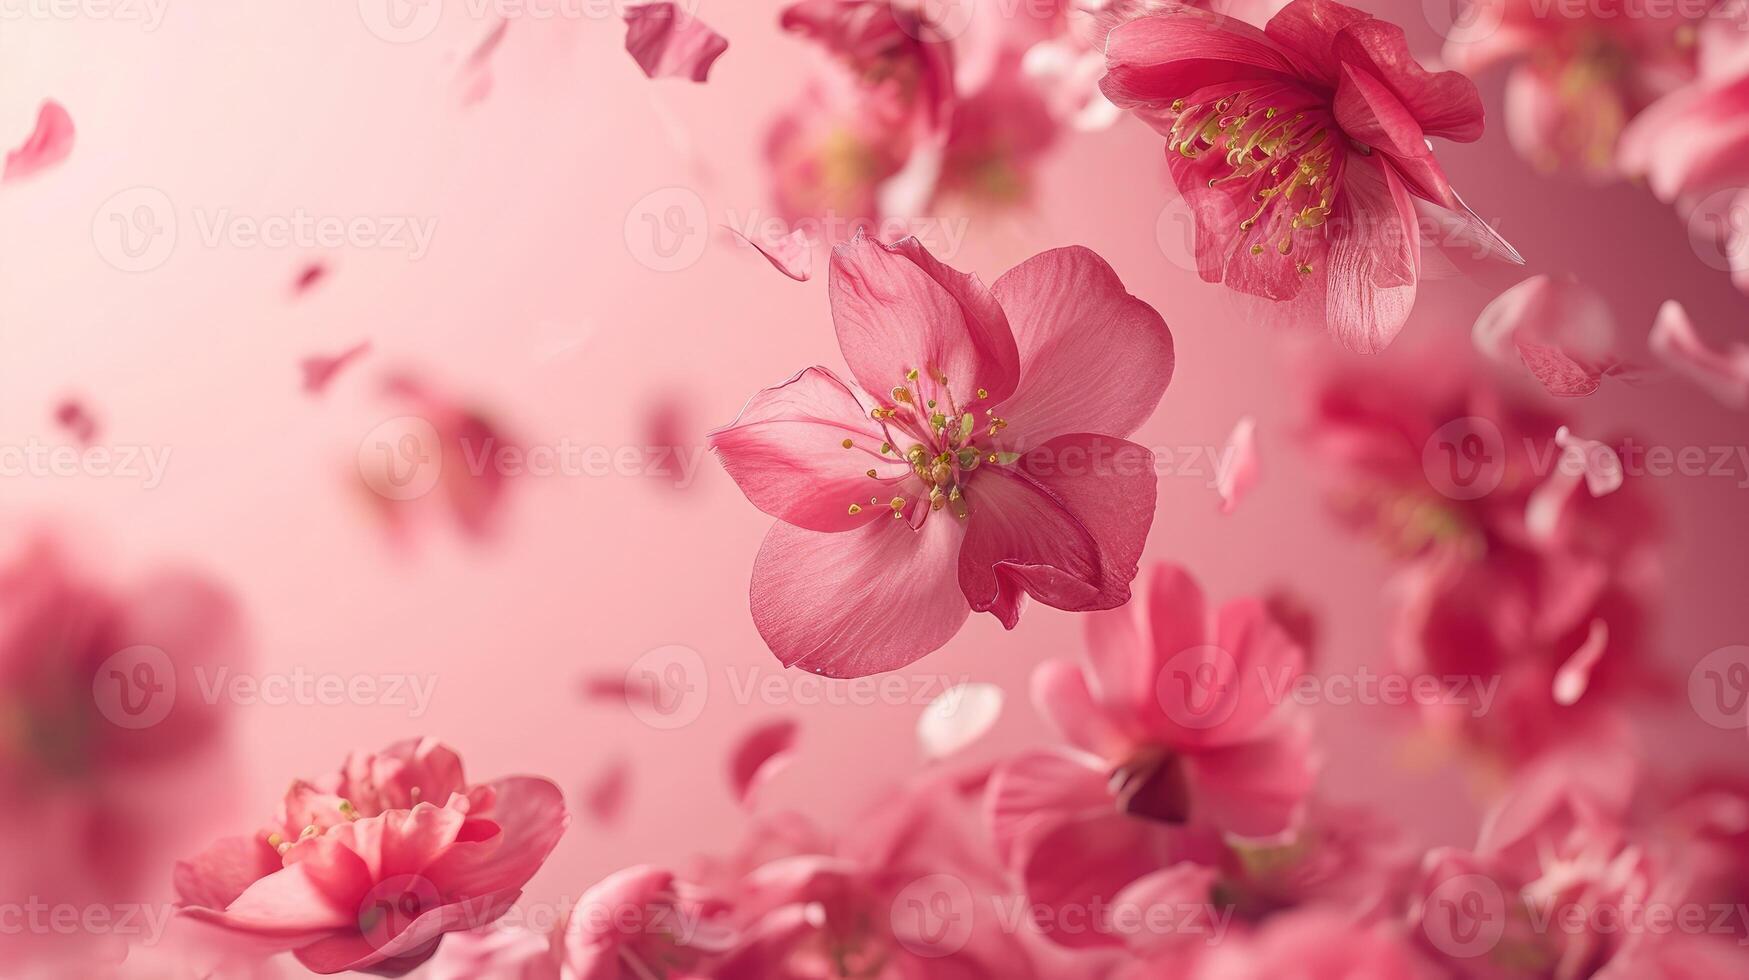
902	395
847	444
886	447
855	509
871	474
983	393
911	375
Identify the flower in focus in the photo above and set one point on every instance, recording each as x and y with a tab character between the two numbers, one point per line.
978	458
1580	72
1301	149
368	869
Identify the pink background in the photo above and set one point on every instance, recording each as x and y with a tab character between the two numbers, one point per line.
533	303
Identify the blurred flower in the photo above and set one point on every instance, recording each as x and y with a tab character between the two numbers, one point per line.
1181	701
908	895
442	460
1302	151
911	111
1692	146
49	144
369	868
1580	72
1508	572
980	460
1559	329
104	731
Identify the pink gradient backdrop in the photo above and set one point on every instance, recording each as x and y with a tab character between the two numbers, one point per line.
533	303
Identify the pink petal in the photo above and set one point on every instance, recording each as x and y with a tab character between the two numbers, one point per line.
47	145
1308	31
958	718
476	73
1061	694
605	795
411	946
72	415
297	903
862	602
897	310
1561	330
786	452
1575	675
1446	104
758	755
529	813
1129	649
1370	113
1154	60
1175	890
1222	693
217	876
1256	789
792	255
1598	461
319	371
308	277
1035	790
1070	866
1456	241
667	41
1373	265
1093	358
1723	374
1239	465
1065	524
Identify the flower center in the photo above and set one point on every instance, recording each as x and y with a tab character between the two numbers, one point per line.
1287	155
941	440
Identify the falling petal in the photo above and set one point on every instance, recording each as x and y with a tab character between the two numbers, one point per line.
1239	465
668	42
476	72
72	415
308	277
1561	330
759	755
605	796
957	718
319	371
1724	374
1575	675
46	147
792	255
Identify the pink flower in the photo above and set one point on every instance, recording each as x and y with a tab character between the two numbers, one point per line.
912	112
979	457
1180	700
367	869
640	923
912	893
1302	151
1692	146
1580	72
1320	944
1562	884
